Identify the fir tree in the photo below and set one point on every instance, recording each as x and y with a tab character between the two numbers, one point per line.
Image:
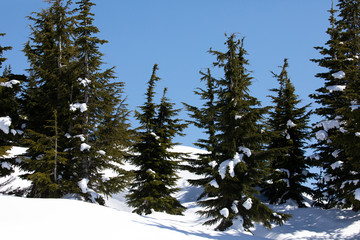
288	124
204	118
155	180
102	128
50	54
337	133
10	111
239	165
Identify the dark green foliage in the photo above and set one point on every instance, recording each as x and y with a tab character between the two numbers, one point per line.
288	125
66	77
337	133
155	179
204	118
10	111
238	162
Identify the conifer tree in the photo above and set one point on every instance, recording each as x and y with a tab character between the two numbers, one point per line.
204	118
288	125
239	165
50	53
155	180
10	120
100	133
66	77
337	133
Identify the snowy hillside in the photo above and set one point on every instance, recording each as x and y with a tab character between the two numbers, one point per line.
22	218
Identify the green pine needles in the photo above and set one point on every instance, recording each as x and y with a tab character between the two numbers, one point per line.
155	180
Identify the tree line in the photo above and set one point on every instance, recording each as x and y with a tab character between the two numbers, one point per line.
73	118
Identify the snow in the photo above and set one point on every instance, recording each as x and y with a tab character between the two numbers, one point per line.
10	83
214	183
247	204
5	123
245	150
81	106
212	164
84	146
101	152
337	164
224	212
335	154
290	124
234	206
83	185
81	136
357	194
59	219
85	82
336	88
6	165
338	75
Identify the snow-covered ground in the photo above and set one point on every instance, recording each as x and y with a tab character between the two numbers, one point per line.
22	218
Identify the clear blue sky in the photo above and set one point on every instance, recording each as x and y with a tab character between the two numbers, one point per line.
177	35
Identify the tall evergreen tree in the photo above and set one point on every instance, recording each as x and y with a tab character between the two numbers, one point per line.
10	120
337	133
239	165
288	124
50	53
204	118
66	78
156	177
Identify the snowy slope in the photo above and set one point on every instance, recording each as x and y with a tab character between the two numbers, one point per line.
69	219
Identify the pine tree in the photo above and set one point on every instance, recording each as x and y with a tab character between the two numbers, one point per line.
239	165
288	124
204	118
10	120
337	133
100	132
51	56
155	180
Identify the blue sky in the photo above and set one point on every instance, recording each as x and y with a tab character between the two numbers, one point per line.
177	35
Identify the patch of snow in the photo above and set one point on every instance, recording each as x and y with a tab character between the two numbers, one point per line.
337	164
288	136
214	183
6	165
335	154
234	206
247	204
336	88
224	212
290	124
212	164
10	83
245	150
237	117
83	185
85	82
156	136
67	135
5	123
338	75
357	134
81	106
357	194
231	163
101	152
84	146
81	136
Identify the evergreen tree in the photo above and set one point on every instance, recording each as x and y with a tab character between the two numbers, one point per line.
239	165
66	77
156	177
51	56
100	133
10	120
204	118
288	124
337	133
